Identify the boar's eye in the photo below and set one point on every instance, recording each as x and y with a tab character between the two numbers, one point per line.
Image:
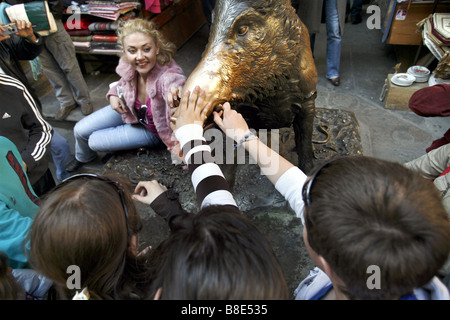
242	31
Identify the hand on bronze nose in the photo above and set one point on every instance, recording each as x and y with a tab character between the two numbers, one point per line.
193	108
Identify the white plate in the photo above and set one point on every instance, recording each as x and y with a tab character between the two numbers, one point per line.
422	79
421	73
433	80
403	79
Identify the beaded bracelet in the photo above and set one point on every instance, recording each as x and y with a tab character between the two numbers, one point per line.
249	136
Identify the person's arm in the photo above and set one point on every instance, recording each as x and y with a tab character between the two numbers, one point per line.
14	235
169	85
207	178
162	200
26	44
234	126
433	163
287	178
117	103
39	131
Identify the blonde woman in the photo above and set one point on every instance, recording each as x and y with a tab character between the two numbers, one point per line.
139	110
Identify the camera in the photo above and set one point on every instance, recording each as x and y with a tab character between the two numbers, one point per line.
10	28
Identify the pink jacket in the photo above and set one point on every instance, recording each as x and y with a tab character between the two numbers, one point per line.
159	82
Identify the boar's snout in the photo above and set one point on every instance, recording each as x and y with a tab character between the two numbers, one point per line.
209	76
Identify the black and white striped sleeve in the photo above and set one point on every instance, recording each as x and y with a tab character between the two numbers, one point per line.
207	178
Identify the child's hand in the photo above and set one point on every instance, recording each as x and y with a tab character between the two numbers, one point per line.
147	191
232	124
193	108
173	99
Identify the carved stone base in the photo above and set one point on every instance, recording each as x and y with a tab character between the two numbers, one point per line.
336	133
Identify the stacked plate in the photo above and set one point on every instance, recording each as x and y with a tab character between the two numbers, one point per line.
420	73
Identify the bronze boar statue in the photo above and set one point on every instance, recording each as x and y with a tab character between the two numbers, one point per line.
259	58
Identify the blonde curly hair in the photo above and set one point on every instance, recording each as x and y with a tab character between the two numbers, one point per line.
167	49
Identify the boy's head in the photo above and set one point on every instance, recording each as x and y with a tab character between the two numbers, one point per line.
221	255
362	212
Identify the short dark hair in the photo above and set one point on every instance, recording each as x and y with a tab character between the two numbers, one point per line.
366	211
220	255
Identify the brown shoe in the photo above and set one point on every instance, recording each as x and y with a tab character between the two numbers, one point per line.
64	112
86	108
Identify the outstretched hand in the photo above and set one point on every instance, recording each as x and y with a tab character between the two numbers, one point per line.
193	108
232	124
147	191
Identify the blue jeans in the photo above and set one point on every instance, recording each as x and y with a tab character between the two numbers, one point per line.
333	39
60	151
104	131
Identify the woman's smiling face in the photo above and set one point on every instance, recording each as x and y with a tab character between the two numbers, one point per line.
140	51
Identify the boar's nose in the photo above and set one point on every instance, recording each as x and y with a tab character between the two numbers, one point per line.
207	77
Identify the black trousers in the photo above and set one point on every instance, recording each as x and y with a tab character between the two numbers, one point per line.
44	184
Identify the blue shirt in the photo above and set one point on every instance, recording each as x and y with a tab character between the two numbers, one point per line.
18	205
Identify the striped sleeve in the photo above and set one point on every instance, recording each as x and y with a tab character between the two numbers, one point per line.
207	178
40	131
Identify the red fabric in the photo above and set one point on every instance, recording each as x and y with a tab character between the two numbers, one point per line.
78	23
431	101
153	6
440	142
445	171
105	38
